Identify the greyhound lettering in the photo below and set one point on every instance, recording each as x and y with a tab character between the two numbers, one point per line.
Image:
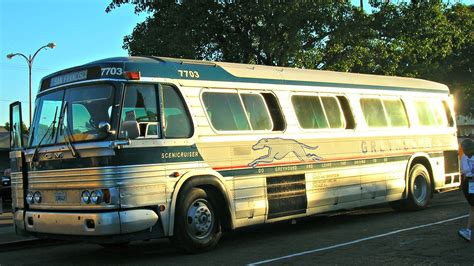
278	148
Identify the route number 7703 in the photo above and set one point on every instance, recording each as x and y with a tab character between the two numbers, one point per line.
111	71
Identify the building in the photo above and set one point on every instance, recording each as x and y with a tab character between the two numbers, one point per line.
4	149
465	125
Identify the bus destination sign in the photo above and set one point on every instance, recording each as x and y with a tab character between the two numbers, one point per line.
68	78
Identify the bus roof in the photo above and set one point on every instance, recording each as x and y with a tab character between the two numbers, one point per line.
162	67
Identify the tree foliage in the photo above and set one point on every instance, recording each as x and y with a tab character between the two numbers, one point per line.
24	128
425	39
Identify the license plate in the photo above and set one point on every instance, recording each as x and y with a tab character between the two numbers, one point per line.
60	196
471	187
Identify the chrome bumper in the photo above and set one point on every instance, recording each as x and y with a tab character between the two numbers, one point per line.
87	224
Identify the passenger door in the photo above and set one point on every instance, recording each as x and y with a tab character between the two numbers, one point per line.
19	178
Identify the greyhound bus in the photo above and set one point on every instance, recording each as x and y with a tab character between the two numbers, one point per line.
136	148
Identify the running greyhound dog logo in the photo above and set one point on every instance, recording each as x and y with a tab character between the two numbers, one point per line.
278	148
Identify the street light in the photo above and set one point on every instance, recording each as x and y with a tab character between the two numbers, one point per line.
29	60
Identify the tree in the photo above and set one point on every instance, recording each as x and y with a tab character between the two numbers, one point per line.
261	32
24	128
423	39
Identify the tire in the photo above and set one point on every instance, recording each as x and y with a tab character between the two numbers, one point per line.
197	224
419	190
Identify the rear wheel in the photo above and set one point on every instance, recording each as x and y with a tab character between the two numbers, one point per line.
197	224
419	190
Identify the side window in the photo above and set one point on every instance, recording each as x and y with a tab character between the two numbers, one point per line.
139	112
333	112
396	113
373	111
439	113
429	113
233	111
449	115
225	111
315	112
177	121
347	111
309	111
256	112
275	111
425	116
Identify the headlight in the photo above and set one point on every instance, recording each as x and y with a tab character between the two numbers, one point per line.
96	196
37	197
29	197
86	196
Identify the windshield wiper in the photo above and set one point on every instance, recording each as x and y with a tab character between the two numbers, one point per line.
45	134
68	134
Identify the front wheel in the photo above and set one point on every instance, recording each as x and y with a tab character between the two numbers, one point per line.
197	224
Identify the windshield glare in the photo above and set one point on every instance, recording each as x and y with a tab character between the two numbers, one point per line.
83	109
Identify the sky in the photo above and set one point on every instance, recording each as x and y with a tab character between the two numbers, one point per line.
82	31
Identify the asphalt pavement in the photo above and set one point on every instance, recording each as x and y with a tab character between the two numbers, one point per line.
375	235
8	238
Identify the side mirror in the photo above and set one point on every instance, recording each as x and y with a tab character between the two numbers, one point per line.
104	127
131	129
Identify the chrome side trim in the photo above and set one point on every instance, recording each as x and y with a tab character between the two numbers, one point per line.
106	223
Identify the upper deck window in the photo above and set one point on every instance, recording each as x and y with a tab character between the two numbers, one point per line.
315	112
237	112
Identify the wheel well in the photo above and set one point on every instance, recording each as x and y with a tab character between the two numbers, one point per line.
223	210
426	163
211	185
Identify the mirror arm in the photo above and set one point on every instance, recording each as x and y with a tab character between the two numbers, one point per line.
119	143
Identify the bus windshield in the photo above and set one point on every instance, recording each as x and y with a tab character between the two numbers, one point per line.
72	114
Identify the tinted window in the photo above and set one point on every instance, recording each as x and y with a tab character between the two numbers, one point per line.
449	115
225	111
373	112
85	108
318	112
309	111
48	109
177	121
333	112
397	116
275	111
140	106
430	113
16	134
256	111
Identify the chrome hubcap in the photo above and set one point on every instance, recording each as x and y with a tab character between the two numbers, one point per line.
200	219
420	189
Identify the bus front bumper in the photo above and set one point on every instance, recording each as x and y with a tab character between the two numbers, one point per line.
85	224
